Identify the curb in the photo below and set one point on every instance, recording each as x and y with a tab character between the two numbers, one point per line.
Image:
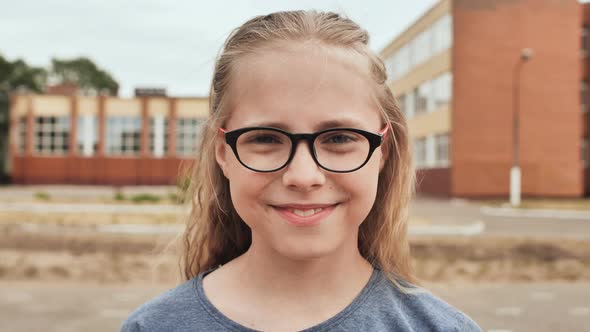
534	213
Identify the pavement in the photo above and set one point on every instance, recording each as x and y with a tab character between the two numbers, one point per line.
428	216
506	307
497	307
503	221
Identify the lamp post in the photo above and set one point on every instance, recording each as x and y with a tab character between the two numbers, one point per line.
515	175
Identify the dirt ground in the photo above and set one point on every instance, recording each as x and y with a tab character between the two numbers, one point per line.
110	258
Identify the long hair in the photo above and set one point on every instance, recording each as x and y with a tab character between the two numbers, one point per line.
215	233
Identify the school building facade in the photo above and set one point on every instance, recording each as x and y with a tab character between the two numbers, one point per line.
73	139
475	105
458	75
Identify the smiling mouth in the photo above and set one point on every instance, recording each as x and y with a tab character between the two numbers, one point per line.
302	215
305	213
305	210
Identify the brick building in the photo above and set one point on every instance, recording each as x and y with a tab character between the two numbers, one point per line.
461	81
102	140
457	72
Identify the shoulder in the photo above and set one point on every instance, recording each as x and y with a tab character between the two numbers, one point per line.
166	312
415	309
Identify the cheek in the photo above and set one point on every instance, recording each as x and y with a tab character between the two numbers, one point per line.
247	191
361	185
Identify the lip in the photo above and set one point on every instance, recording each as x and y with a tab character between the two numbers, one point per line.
296	220
303	206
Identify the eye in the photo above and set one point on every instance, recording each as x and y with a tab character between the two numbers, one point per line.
339	138
265	139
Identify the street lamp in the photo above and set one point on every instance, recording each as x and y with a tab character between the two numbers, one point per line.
515	175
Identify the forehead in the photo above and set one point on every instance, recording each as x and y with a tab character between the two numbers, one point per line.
300	86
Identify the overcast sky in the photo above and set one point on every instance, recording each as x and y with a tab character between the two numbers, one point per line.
169	44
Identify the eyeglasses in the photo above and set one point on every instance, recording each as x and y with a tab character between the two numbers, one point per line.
267	149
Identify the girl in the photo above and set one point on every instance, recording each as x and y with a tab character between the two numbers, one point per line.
301	192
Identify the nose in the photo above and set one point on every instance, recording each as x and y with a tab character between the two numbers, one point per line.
302	173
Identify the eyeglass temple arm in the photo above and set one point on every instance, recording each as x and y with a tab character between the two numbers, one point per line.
384	131
223	131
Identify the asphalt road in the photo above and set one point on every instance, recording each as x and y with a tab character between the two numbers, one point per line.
67	307
520	307
464	215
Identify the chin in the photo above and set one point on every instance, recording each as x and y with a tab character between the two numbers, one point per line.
305	250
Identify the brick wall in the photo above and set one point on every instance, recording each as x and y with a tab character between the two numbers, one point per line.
488	38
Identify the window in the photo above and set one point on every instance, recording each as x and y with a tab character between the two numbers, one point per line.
435	39
442	145
123	135
430	151
401	101
420	48
442	31
585	102
389	67
442	90
410	104
422	94
158	136
87	138
187	132
400	62
52	134
585	153
584	41
420	152
22	135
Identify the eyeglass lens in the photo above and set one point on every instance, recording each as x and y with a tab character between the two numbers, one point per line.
266	150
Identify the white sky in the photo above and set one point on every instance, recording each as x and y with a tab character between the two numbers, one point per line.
170	44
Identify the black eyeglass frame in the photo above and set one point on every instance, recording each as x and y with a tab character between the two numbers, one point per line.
375	140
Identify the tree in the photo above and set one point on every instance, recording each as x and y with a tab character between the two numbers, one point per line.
14	75
83	73
17	74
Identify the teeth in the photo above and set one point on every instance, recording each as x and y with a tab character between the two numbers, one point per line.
305	213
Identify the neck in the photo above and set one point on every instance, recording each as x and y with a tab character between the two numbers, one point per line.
265	271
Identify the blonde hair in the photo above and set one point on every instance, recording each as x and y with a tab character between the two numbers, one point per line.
215	233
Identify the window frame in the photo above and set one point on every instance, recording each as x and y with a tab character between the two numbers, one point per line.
152	140
87	121
444	141
130	131
187	140
51	135
420	153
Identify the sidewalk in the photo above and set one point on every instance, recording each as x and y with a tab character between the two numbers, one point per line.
78	204
14	193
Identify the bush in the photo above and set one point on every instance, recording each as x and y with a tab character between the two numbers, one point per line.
174	198
141	198
119	196
183	182
43	196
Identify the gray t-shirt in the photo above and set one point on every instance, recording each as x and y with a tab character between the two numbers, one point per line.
379	307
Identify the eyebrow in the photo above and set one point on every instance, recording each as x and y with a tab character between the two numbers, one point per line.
342	123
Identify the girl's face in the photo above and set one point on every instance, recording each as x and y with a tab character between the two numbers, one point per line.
302	211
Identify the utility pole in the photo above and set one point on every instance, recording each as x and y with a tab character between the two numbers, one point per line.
515	173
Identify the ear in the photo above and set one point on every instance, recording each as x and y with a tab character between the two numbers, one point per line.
384	155
221	153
